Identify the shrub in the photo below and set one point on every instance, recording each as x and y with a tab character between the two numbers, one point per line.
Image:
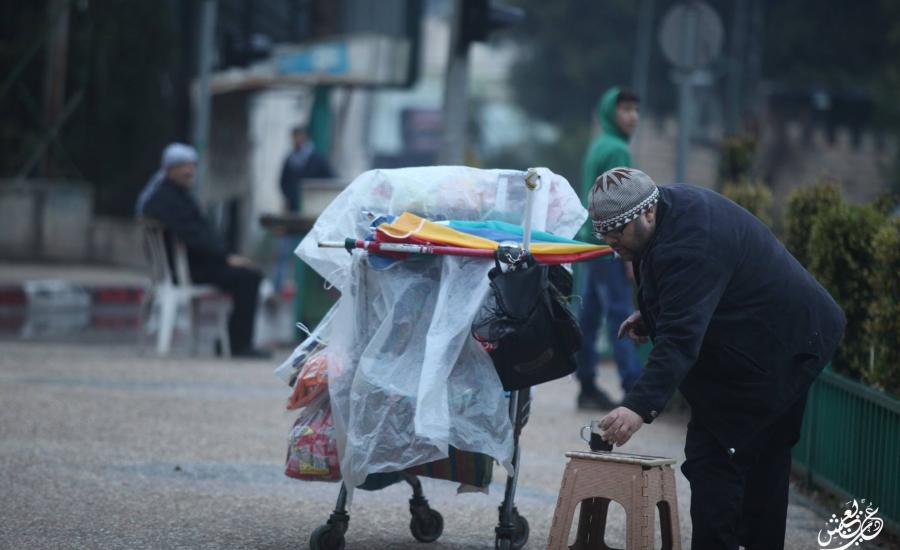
755	197
804	205
841	256
883	325
736	158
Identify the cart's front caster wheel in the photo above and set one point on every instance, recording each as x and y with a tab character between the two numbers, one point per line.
522	532
327	537
427	526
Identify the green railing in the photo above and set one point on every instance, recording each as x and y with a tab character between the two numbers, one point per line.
850	444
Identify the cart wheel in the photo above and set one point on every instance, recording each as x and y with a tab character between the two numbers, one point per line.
326	537
427	526
522	532
519	537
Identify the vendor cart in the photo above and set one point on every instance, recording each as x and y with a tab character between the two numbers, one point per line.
408	384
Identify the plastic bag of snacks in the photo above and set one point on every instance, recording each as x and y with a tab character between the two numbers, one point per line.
312	451
312	381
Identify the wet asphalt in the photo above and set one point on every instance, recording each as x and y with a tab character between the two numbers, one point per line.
101	448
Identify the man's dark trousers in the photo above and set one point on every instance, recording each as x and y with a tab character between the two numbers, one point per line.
243	285
741	499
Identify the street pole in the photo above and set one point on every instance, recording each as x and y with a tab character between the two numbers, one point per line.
55	71
456	94
736	67
202	103
641	67
684	79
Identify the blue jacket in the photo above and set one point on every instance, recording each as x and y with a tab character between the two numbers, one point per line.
737	323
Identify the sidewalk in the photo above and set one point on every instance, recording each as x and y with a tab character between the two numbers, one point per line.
50	285
99	304
69	302
93	276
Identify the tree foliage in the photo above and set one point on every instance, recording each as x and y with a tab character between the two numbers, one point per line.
571	52
804	206
839	44
120	58
883	324
754	196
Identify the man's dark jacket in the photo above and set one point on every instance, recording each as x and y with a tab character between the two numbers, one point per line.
175	207
737	323
302	163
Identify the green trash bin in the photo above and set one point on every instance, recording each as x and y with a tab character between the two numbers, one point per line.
312	299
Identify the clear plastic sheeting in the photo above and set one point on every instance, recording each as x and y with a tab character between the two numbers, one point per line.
406	379
437	193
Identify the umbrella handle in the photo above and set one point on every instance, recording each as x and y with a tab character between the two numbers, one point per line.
532	184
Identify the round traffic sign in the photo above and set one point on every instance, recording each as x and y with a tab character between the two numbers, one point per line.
691	35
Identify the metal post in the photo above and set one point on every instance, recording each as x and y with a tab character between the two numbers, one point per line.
55	70
456	94
641	68
685	99
736	67
206	45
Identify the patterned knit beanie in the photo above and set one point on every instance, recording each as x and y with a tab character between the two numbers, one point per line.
619	196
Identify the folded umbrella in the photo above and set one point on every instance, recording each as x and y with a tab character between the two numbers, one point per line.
410	234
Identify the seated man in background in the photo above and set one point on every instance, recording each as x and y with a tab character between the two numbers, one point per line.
167	199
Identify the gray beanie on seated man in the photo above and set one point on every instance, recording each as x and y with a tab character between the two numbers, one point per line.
619	196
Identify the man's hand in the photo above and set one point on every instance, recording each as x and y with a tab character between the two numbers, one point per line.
619	425
635	328
239	261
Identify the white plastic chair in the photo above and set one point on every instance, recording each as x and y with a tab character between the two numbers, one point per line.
172	290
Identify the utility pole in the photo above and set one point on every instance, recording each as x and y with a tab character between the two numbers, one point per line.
641	67
472	21
736	67
685	96
456	92
691	37
203	100
55	71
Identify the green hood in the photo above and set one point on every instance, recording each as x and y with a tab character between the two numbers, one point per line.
606	113
608	150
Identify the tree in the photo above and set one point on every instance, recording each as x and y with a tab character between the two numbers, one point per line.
120	58
570	53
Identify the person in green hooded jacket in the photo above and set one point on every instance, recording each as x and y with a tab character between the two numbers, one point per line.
606	285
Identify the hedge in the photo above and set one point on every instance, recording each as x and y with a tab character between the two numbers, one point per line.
804	205
841	256
883	323
755	197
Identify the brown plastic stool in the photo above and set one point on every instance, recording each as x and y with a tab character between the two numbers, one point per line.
638	483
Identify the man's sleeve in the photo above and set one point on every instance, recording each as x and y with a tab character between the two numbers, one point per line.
690	285
187	226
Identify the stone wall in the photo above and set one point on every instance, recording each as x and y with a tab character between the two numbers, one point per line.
791	154
45	219
53	221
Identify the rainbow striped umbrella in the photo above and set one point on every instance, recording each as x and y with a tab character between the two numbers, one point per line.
410	234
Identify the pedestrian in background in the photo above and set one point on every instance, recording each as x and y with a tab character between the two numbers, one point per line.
605	286
302	162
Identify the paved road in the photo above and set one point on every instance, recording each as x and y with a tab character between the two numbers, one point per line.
102	449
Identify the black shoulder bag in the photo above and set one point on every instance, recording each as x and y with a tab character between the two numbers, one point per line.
525	324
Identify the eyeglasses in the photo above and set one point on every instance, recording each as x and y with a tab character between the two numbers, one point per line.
617	232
